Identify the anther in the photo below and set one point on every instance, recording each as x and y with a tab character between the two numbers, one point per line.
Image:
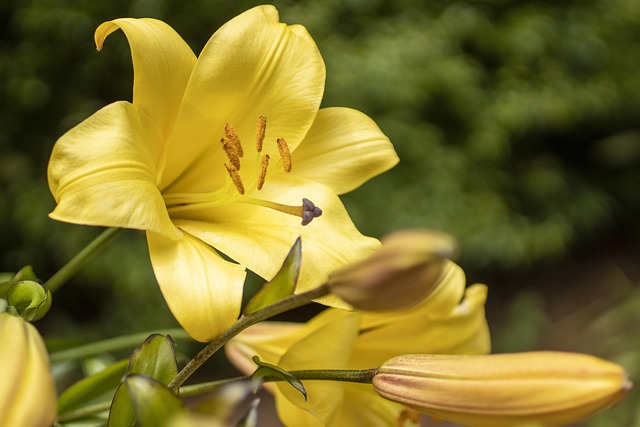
230	133
285	154
264	163
235	177
309	211
262	128
230	150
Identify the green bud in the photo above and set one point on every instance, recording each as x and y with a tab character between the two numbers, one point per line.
22	295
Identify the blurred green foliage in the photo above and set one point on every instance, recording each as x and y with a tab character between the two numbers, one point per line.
516	123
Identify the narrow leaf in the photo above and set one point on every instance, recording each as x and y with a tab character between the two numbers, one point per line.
89	389
269	372
283	283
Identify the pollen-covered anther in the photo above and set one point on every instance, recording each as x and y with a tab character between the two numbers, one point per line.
231	152
235	177
264	163
231	134
260	132
309	211
285	154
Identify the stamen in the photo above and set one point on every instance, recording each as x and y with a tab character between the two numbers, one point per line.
285	154
308	211
262	128
231	152
235	177
264	163
230	133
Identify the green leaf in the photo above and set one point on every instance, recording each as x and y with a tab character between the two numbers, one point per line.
155	358
154	403
251	419
269	372
90	389
282	285
226	404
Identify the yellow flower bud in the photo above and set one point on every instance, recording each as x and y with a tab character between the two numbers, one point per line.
537	388
27	391
404	271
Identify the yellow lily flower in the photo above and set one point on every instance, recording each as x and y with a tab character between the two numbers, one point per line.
27	392
228	150
337	339
504	390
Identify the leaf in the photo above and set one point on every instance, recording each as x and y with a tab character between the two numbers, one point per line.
155	358
267	371
154	403
226	404
87	390
251	419
283	283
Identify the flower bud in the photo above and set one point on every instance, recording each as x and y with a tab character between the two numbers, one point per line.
403	272
27	392
537	388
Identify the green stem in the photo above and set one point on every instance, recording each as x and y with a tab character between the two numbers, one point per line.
282	306
81	258
112	344
354	376
363	376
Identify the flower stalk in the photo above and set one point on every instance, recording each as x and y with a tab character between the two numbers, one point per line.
244	322
81	258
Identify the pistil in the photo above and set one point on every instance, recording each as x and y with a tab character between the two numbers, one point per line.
307	211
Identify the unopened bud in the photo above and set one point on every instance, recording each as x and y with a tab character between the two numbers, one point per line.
27	394
537	388
404	271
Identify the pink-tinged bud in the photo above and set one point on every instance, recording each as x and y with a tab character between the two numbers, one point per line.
537	388
27	392
403	272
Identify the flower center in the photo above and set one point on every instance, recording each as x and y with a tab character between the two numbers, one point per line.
232	147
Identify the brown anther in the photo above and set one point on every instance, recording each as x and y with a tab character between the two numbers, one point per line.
230	133
309	211
264	163
262	128
285	154
235	177
232	154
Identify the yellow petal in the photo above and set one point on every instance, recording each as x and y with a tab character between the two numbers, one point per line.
252	66
260	238
351	143
203	291
27	394
103	172
463	331
268	340
328	347
162	64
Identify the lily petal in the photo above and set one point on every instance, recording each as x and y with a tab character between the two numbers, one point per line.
246	233
202	290
162	63
102	172
325	348
252	66
463	331
351	143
